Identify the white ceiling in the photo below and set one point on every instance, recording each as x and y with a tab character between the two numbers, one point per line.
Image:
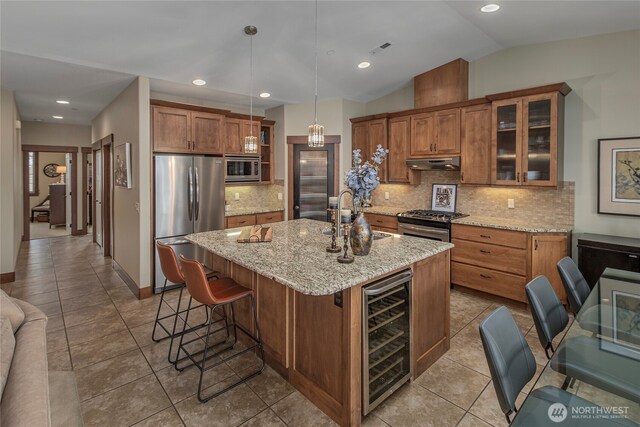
88	51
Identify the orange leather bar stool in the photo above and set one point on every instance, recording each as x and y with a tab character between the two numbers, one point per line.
218	294
172	273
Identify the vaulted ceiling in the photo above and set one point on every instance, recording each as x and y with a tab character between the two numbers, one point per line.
87	52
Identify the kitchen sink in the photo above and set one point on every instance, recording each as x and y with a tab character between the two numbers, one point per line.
376	234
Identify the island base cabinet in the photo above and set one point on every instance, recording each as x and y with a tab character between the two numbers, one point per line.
430	311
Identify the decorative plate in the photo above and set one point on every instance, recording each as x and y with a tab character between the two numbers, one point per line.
50	170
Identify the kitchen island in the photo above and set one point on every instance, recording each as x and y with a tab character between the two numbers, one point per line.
310	307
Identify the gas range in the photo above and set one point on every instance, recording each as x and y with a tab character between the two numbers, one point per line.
430	224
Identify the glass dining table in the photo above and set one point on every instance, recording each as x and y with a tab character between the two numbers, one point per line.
597	362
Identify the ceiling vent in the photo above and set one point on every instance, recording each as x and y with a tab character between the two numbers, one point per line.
380	48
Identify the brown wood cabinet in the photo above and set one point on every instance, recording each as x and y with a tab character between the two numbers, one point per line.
180	131
502	262
384	223
57	204
475	144
527	140
236	131
399	151
267	149
253	219
435	133
366	136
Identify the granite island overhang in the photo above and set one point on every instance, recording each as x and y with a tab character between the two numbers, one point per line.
310	306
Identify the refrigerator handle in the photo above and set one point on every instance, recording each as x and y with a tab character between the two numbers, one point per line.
190	189
197	204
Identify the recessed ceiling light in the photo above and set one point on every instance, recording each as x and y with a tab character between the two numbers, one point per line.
199	82
364	64
331	52
58	117
265	95
488	8
62	101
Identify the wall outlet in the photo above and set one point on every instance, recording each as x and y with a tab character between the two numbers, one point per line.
386	195
236	196
279	196
511	203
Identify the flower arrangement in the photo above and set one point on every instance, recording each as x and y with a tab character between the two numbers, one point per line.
362	178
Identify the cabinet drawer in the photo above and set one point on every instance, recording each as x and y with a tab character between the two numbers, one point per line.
490	281
514	239
240	221
384	221
384	229
503	258
268	217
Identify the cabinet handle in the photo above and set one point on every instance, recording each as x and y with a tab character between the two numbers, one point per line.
535	246
379	221
241	222
524	177
188	145
633	256
435	147
484	251
461	176
486	236
484	276
518	176
430	147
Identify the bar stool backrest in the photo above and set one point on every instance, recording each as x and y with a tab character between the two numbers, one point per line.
574	283
549	315
196	281
169	263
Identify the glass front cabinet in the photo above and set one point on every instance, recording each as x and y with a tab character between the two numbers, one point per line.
527	140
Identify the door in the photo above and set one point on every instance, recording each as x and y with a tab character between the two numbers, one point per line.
399	146
98	192
313	181
540	140
207	132
174	195
546	252
208	176
476	145
377	135
506	142
232	143
447	132
422	135
171	130
359	139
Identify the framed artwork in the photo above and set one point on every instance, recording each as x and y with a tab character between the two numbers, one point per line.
619	176
122	165
620	314
443	197
50	170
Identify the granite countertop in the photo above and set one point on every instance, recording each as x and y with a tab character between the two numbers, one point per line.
513	224
384	210
250	211
296	256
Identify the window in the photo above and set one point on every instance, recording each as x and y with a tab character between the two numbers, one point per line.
32	164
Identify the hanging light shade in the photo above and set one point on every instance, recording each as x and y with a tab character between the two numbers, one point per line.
251	141
316	131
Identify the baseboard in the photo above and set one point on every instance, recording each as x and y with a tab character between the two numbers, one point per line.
8	277
140	293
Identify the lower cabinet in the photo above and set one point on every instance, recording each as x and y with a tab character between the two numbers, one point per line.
253	219
383	223
502	262
596	252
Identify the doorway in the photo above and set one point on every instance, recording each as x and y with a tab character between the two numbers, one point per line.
313	177
101	193
49	202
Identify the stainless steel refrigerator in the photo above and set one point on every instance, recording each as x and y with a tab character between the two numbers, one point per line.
188	198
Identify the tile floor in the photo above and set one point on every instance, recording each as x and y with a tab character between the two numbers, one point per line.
101	333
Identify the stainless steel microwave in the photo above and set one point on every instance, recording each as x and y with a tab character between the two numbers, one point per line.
242	169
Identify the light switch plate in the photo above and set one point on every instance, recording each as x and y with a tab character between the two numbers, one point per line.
386	195
279	196
236	196
511	203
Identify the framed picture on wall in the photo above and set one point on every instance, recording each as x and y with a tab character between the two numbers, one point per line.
122	165
443	197
619	176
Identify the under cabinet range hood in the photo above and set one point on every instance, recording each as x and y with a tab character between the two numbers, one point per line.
441	164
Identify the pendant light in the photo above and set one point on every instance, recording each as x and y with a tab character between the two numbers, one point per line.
251	141
316	131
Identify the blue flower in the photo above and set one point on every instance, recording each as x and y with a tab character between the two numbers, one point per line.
363	178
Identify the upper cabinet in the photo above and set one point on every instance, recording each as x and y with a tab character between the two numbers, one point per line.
399	150
475	144
366	136
236	131
527	140
267	152
435	134
184	131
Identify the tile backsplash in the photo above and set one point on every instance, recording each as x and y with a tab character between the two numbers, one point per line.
252	196
543	205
